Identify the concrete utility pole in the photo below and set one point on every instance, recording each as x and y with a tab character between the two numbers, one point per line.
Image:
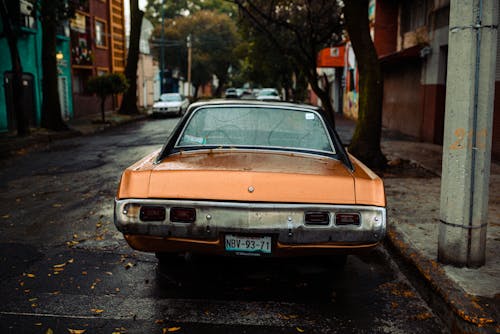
467	138
189	46
162	50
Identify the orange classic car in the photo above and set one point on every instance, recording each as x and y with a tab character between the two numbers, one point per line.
251	178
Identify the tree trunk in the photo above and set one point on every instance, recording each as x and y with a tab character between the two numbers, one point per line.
103	113
195	93
222	82
17	70
51	107
365	143
324	96
129	102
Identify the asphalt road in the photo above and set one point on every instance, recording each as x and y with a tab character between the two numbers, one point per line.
64	267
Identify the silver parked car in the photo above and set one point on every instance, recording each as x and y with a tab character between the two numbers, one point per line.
170	104
268	94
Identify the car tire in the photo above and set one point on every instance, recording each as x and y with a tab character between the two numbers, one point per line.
169	259
339	261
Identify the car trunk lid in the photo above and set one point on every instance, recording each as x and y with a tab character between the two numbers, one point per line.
255	177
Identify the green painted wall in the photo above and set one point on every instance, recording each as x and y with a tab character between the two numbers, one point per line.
30	52
29	45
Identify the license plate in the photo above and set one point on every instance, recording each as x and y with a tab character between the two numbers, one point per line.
236	243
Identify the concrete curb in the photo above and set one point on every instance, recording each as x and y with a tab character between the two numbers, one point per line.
461	312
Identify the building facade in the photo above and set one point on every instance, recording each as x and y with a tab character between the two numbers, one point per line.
97	35
411	37
30	53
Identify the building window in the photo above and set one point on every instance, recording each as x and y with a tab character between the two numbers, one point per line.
100	33
81	49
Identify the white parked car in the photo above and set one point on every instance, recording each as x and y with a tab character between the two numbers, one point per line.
171	103
268	94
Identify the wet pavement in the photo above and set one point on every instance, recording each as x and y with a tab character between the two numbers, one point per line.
64	266
466	299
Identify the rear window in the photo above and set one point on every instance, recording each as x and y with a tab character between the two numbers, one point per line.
256	127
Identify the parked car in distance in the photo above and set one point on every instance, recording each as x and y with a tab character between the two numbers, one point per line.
251	178
268	94
170	104
231	93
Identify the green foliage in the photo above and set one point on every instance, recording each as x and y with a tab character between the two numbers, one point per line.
298	29
214	36
178	8
107	84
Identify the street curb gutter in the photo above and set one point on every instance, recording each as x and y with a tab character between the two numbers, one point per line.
459	311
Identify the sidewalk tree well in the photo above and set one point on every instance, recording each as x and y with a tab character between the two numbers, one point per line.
106	85
53	13
299	29
8	11
365	143
129	101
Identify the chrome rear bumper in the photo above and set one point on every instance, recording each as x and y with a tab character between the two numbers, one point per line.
285	222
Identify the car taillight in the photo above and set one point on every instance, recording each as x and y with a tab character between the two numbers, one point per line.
347	219
152	213
182	215
317	218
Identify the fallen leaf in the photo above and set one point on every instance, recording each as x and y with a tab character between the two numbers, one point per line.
76	331
38	324
55	293
56	205
6	216
300	330
71	261
32	299
109	273
170	329
159	321
34	305
49	331
98	225
129	265
31	275
84	273
72	243
59	265
287	317
96	310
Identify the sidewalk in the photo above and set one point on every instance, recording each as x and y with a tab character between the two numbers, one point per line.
468	300
11	145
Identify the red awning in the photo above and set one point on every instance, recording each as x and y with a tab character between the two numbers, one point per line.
332	57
